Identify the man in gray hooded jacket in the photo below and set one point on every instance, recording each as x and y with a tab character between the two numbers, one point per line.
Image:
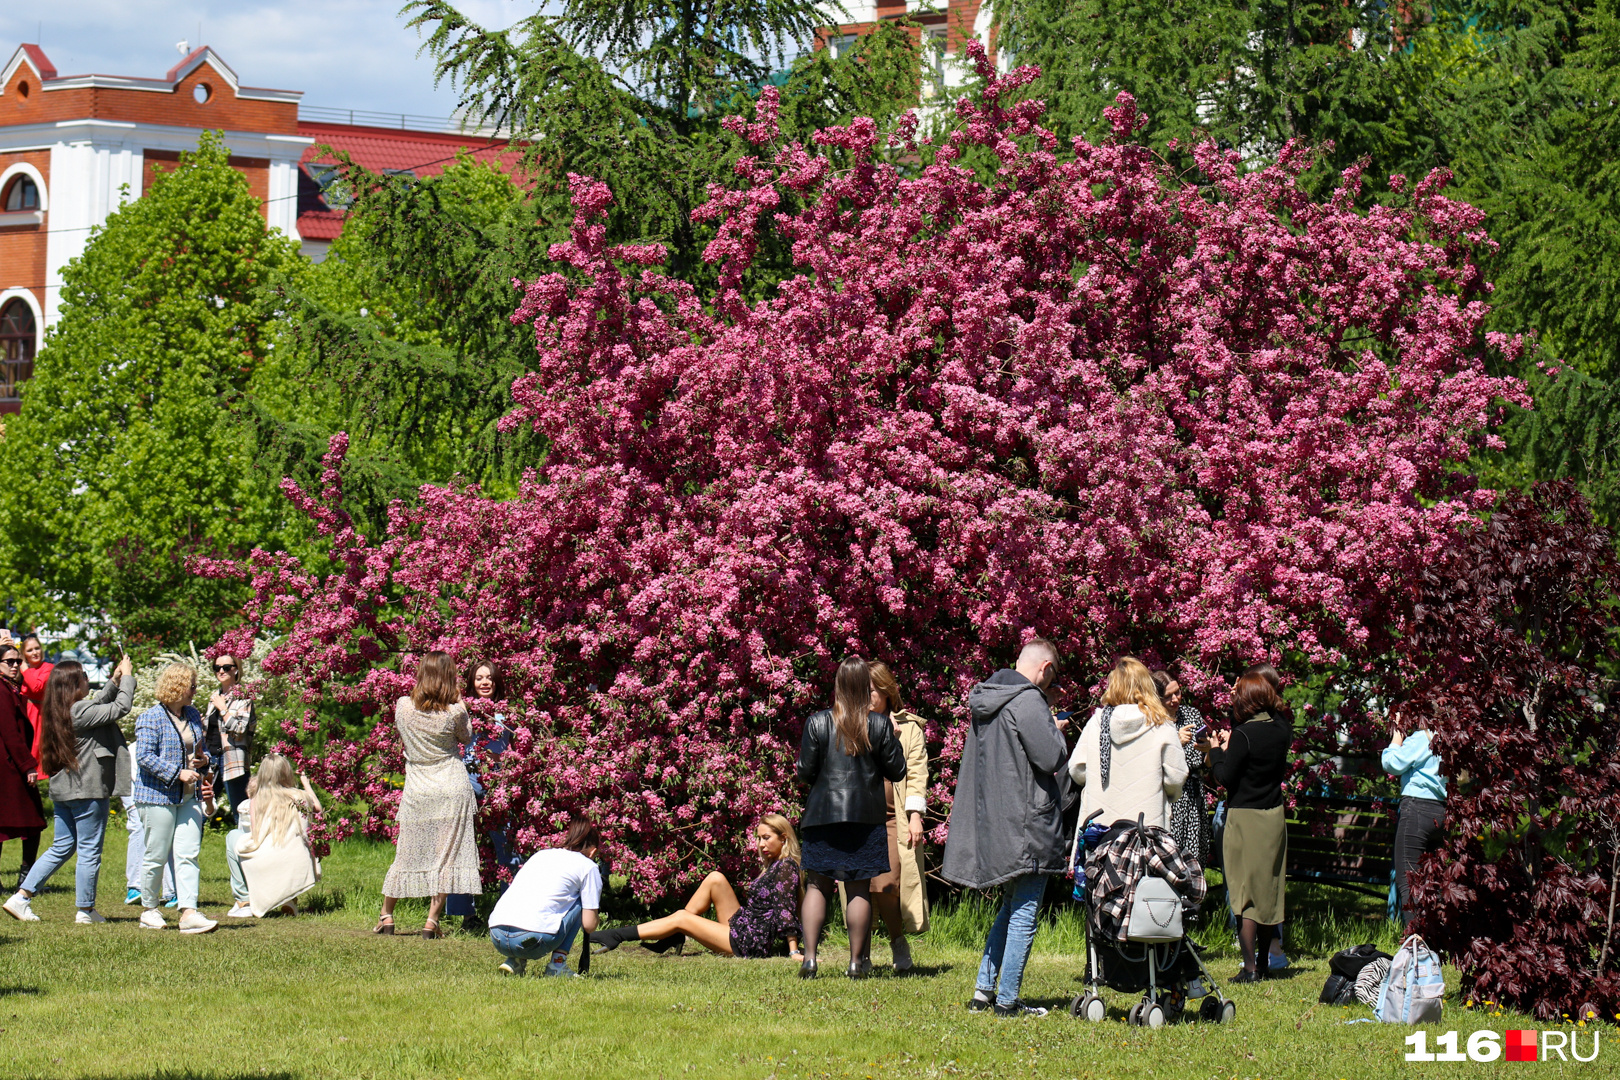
1006	824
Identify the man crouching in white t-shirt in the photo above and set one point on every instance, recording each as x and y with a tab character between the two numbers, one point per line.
555	894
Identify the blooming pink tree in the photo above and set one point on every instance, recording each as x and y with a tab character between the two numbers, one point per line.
1206	418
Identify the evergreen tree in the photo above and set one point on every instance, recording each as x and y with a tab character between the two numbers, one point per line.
409	316
126	460
633	94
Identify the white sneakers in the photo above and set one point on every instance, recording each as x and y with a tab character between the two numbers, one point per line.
89	918
195	922
240	911
192	922
514	965
18	908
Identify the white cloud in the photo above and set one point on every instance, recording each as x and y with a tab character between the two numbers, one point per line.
349	54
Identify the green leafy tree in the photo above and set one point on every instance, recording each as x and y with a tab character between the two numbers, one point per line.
126	459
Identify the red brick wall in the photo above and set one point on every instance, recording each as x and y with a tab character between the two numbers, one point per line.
176	108
22	247
256	169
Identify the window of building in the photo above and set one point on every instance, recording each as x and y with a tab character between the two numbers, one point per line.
21	195
842	45
335	190
933	60
17	337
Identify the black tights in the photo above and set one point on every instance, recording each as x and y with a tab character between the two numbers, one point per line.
30	852
818	895
1248	940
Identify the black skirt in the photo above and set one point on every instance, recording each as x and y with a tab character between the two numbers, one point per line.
846	850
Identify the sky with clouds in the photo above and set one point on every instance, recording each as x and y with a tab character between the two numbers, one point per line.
343	54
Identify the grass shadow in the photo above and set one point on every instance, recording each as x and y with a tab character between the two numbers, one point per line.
11	991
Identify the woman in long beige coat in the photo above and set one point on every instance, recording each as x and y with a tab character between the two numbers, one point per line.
901	896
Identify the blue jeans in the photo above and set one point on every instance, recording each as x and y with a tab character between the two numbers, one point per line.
81	824
530	945
1011	937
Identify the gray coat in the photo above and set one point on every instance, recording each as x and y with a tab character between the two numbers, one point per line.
101	742
1007	816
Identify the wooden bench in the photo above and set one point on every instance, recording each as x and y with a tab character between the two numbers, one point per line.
1346	842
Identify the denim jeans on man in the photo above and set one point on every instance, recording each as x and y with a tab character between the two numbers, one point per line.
530	945
81	824
1007	950
172	829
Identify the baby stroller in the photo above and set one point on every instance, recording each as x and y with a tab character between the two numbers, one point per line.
1136	884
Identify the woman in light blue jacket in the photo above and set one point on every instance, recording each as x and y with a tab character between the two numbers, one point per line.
1423	804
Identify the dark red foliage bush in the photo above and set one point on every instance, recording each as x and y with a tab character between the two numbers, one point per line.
1506	648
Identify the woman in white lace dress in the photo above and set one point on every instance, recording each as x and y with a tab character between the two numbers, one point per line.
437	850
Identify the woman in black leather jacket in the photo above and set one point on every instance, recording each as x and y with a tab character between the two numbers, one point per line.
846	754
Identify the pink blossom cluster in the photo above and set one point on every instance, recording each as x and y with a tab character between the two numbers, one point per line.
1208	419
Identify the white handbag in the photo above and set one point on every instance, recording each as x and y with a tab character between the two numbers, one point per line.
1155	911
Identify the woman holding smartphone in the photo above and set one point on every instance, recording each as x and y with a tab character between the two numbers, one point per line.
1189	820
173	797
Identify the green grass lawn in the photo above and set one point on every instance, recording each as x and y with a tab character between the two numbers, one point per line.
319	996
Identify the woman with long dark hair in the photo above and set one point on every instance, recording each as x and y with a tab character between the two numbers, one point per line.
436	853
79	745
846	754
22	812
1250	761
486	683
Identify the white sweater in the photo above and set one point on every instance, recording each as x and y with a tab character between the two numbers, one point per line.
1147	769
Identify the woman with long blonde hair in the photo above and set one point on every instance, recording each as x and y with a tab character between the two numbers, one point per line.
1129	759
750	928
273	816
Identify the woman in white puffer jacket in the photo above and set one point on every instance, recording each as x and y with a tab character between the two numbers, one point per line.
1129	761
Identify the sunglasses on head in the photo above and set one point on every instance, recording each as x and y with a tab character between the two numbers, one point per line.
224	667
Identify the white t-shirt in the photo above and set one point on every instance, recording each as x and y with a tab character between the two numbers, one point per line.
545	888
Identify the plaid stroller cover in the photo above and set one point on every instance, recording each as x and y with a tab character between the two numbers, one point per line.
1122	856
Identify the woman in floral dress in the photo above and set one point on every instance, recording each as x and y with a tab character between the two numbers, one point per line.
1189	820
437	850
748	929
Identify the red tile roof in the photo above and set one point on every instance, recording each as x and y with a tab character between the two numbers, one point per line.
423	153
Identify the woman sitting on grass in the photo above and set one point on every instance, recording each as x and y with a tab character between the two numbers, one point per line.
748	930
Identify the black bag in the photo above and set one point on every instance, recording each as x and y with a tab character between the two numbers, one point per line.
1338	990
1349	962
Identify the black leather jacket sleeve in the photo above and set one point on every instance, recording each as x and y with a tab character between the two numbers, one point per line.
813	748
887	749
847	787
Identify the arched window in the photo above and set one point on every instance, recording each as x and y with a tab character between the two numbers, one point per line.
17	337
21	195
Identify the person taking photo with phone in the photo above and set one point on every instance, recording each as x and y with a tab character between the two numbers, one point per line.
79	751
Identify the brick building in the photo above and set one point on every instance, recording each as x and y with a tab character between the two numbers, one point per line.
947	27
70	144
